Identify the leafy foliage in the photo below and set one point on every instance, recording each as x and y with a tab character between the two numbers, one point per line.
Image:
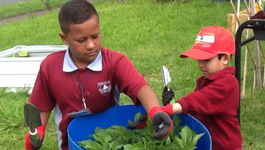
22	54
119	137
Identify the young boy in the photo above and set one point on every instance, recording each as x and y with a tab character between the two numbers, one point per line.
83	78
215	99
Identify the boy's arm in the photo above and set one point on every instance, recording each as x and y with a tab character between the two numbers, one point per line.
161	121
212	99
44	117
148	97
177	108
218	97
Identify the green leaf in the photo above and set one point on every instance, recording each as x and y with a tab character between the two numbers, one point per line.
114	132
98	130
196	138
168	139
186	135
137	116
102	135
23	53
121	140
135	138
137	146
172	146
176	120
179	142
90	145
115	145
15	55
150	128
127	146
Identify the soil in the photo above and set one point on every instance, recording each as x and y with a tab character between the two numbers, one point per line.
36	13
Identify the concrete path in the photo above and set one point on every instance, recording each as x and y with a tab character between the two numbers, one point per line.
10	1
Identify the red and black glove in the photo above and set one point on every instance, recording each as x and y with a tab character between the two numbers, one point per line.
162	123
30	144
140	123
167	95
161	120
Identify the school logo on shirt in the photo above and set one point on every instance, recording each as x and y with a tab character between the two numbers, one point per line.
104	87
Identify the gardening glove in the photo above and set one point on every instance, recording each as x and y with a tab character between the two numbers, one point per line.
30	144
167	95
161	121
168	109
140	123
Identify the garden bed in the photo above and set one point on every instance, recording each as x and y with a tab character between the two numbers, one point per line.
21	72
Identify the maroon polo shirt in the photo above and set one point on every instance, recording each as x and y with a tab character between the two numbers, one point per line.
54	87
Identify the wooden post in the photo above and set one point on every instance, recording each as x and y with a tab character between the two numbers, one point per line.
244	72
247	47
257	58
237	13
263	54
243	93
264	76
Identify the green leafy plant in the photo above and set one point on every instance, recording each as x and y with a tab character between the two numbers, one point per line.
118	137
21	54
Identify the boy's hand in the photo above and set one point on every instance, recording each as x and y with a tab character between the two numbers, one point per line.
167	95
161	121
140	123
30	144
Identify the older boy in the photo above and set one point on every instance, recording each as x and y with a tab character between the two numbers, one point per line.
83	78
215	99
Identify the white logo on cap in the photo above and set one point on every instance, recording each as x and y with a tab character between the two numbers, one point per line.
204	38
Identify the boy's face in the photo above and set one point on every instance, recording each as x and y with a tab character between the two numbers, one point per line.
213	65
84	41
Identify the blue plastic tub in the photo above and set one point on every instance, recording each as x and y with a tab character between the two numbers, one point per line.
81	127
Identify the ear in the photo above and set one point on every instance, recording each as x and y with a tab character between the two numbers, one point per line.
226	58
63	38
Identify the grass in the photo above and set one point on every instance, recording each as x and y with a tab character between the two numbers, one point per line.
26	7
151	35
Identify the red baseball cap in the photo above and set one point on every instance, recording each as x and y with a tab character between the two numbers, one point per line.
211	41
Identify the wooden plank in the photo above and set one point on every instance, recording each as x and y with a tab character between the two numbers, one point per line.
231	21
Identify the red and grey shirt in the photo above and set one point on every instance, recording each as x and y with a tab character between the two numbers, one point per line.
214	103
57	87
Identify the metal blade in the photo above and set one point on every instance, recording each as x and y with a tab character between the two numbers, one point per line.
32	116
165	75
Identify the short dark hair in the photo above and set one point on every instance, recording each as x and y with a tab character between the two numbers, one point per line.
75	12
